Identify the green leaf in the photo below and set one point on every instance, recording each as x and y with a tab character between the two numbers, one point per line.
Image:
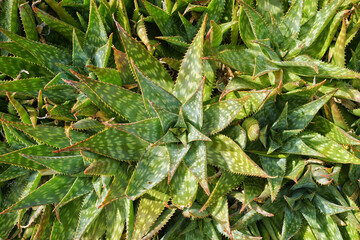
337	115
49	135
226	183
62	112
155	93
14	157
257	23
112	143
68	215
225	153
332	150
256	101
306	181
145	61
16	139
319	47
215	35
148	130
50	192
79	57
80	187
87	123
195	135
118	185
147	213
108	75
183	187
103	166
189	28
115	219
190	73
15	190
327	228
242	82
282	122
88	214
304	66
315	26
176	153
48	55
220	212
218	116
247	61
301	116
274	167
160	223
330	130
59	26
95	36
102	54
164	21
214	12
11	173
129	218
151	169
61	164
120	100
28	21
270	9
344	90
15	66
195	161
253	188
23	114
238	134
292	223
194	211
9	16
350	215
193	109
295	145
18	51
300	96
167	119
290	24
210	231
328	208
62	13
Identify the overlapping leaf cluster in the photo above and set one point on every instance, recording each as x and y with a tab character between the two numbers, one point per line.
179	119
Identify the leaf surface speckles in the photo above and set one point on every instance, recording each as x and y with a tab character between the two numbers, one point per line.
62	164
149	130
151	169
120	100
333	151
147	213
183	187
190	74
227	182
195	160
52	136
46	54
225	153
112	143
95	36
219	115
145	61
51	192
155	93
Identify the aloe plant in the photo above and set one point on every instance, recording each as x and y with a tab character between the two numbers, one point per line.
179	119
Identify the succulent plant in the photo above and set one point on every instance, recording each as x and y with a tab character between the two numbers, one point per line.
179	119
